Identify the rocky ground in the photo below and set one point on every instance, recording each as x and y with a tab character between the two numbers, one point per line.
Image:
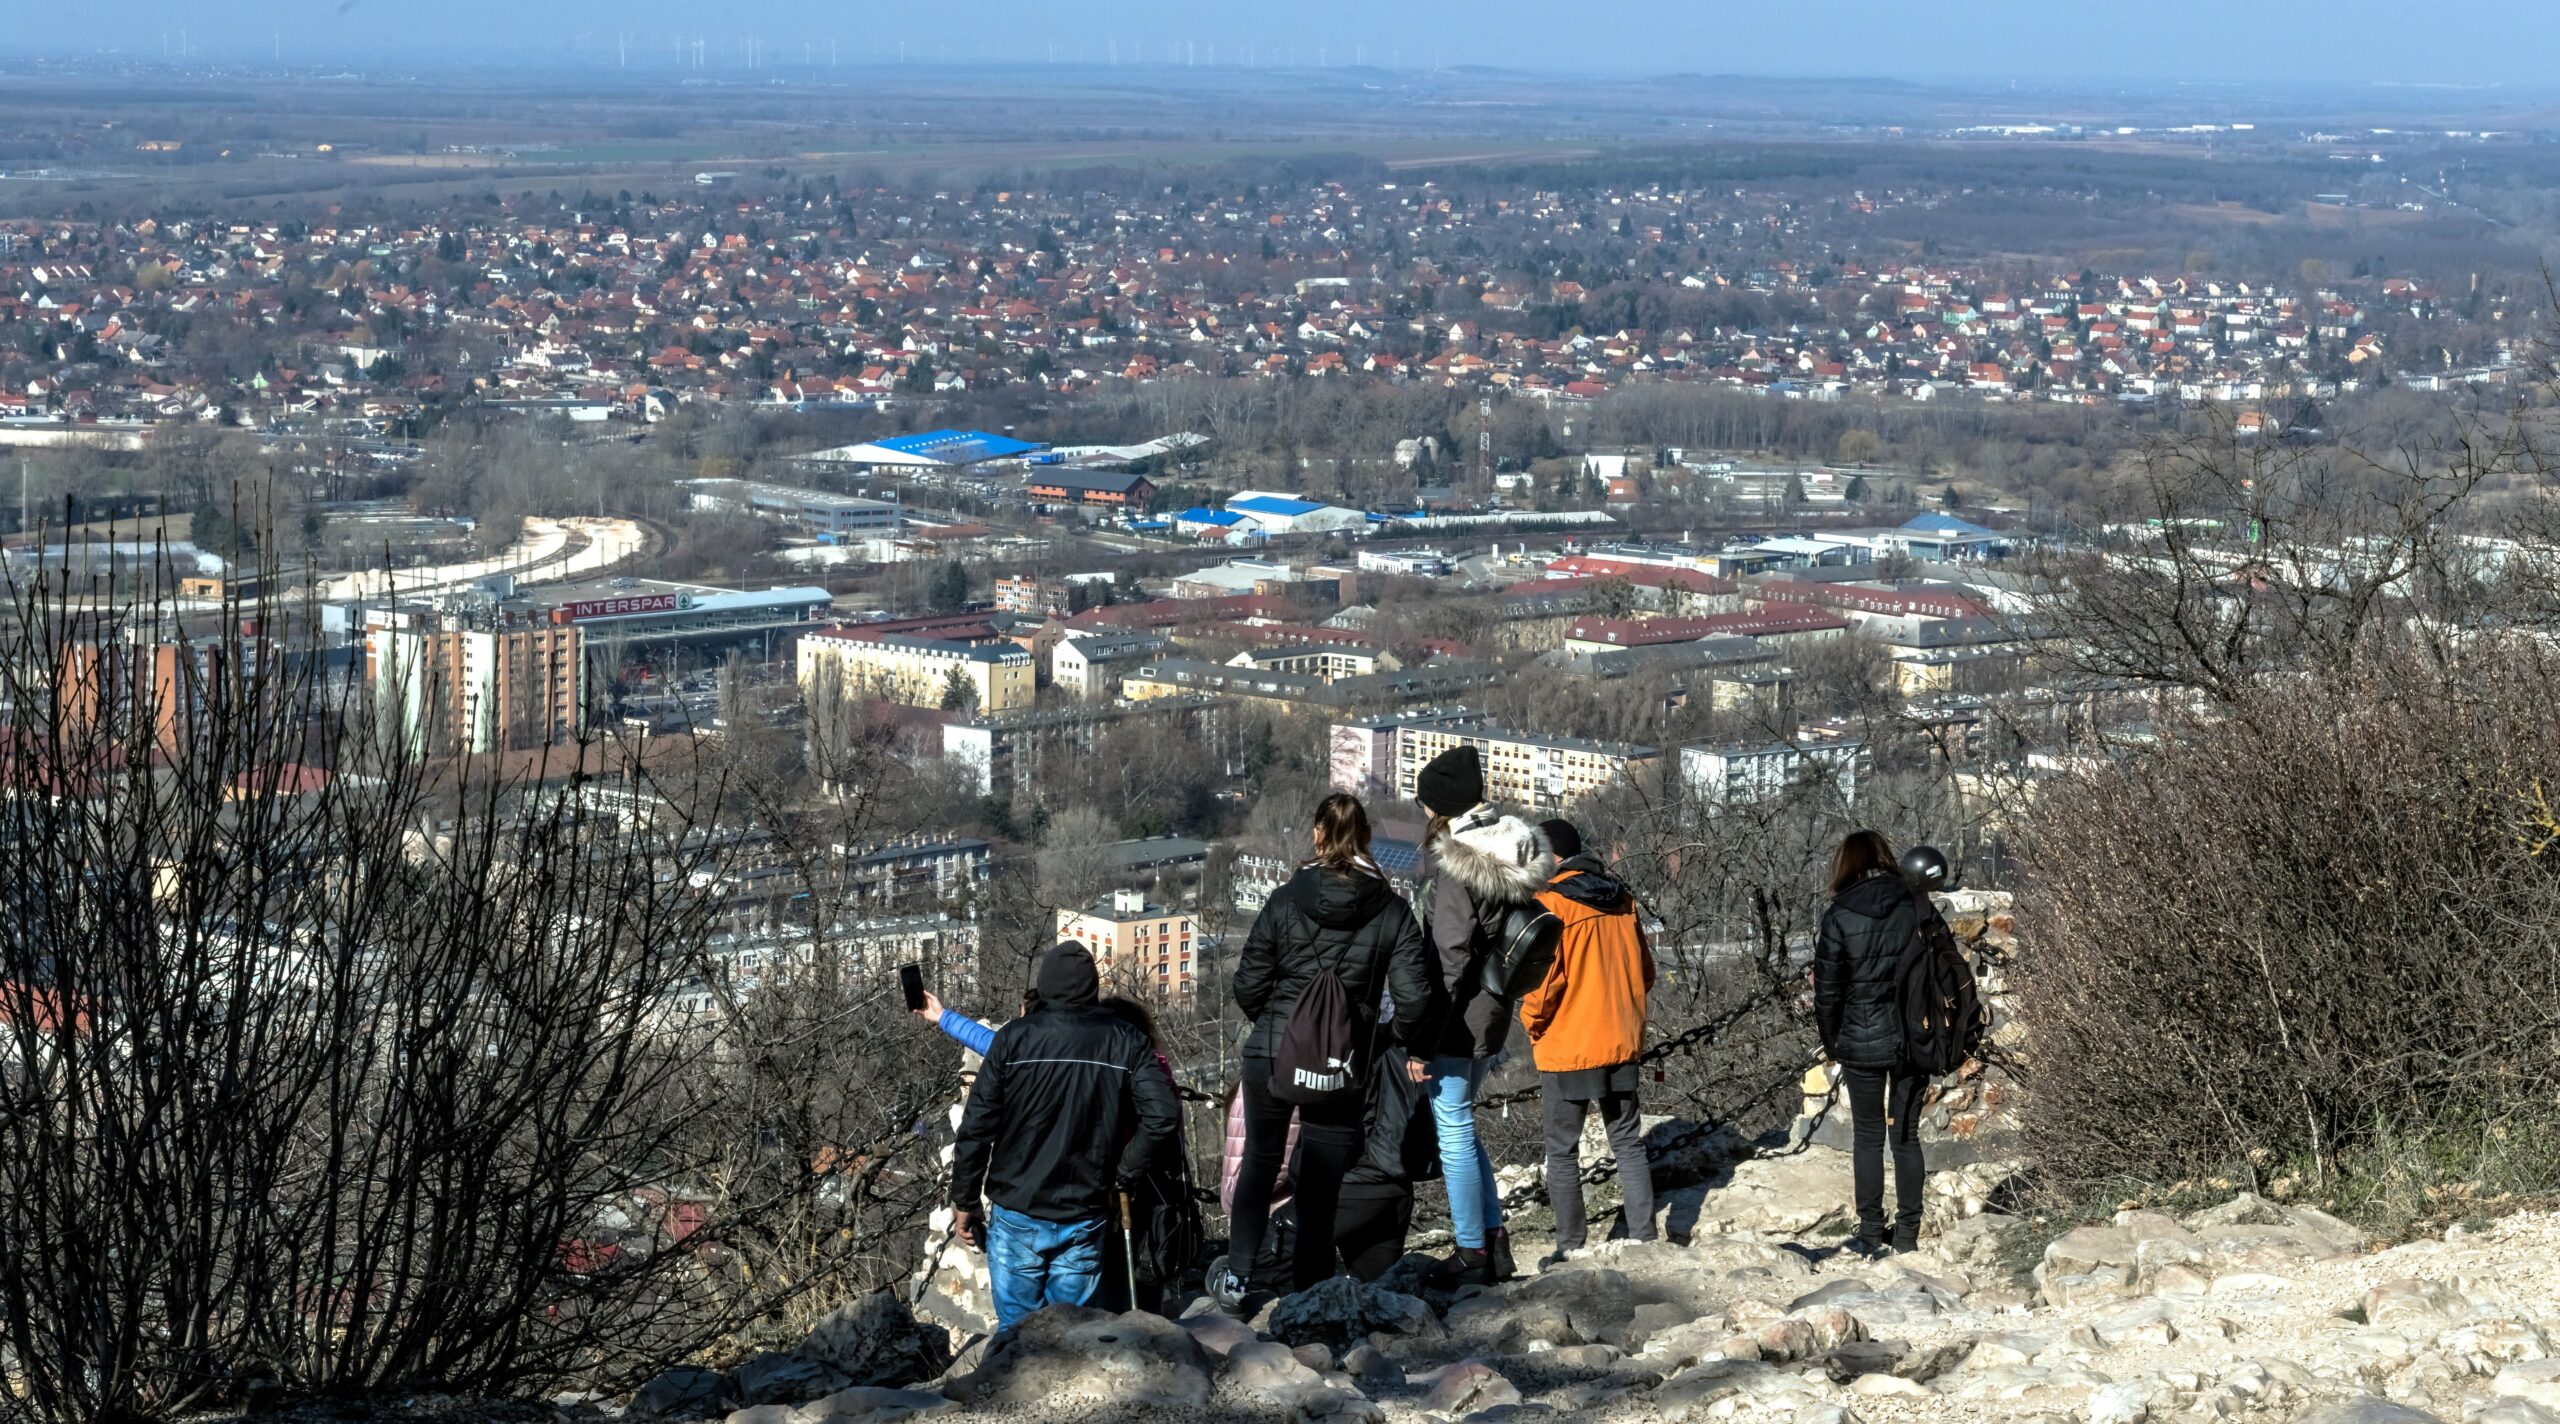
2248	1311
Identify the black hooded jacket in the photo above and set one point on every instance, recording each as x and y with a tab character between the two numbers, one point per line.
1595	886
1352	923
1400	1145
1856	995
1070	1103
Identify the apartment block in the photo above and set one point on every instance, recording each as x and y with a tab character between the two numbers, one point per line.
1091	664
1524	769
919	672
448	688
1742	774
1009	755
1138	946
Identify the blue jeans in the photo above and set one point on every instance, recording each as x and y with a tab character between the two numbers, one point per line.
1474	1206
1032	1263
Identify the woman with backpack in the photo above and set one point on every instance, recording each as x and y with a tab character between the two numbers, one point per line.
1326	949
1375	1211
1857	1005
1479	864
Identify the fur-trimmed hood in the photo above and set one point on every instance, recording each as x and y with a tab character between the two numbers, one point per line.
1496	857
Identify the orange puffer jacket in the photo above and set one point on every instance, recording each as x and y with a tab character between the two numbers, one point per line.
1589	1012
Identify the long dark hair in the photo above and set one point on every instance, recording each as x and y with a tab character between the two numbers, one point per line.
1342	833
1131	1012
1860	852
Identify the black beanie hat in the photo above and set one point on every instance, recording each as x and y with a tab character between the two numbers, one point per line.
1451	783
1562	838
1065	975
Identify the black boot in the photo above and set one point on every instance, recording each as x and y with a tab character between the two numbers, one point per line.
1906	1239
1497	1245
1466	1266
1871	1243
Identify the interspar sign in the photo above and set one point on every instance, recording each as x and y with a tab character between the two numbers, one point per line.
620	607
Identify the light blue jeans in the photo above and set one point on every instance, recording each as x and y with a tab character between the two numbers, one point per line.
1032	1263
1474	1206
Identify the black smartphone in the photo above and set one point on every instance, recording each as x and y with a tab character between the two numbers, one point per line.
911	979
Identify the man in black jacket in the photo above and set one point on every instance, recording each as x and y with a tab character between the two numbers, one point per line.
1069	1105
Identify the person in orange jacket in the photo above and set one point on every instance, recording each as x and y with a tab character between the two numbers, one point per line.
1585	1022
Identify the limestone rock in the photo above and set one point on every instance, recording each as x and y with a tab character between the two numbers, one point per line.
1694	1393
2432	1305
1269	1372
1133	1361
2149	1323
684	1393
1510	1325
2484	1345
1773	1196
2533	1381
2063	1291
1335	1405
1218	1334
1463	1387
2085	1249
2125	1402
2367	1409
867	1405
1371	1368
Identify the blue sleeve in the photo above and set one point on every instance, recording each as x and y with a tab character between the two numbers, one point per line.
967	1032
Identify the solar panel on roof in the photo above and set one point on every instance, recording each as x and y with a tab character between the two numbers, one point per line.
958	447
1396	857
1265	504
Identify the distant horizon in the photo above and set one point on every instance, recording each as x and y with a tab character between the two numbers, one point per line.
2483	48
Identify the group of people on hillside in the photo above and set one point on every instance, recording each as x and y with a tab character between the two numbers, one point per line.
1074	1110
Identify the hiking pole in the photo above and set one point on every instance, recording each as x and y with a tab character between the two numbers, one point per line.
1128	1250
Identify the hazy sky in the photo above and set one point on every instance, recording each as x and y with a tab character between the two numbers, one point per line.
2470	42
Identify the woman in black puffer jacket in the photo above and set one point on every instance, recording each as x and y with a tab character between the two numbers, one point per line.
1857	1005
1337	913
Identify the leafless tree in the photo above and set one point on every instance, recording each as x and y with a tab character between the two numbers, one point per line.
353	1073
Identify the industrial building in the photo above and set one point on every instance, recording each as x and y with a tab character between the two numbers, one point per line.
936	450
821	513
1106	489
1277	515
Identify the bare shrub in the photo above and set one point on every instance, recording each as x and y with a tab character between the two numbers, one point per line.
2274	933
328	1065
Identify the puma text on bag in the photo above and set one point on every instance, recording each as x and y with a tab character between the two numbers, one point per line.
1315	1059
1943	1020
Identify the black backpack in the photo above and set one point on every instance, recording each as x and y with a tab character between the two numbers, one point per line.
1317	1060
1523	950
1943	1018
1167	1237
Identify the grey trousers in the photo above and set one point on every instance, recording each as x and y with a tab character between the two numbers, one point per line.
1619	1118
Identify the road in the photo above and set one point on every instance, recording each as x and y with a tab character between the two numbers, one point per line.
549	551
